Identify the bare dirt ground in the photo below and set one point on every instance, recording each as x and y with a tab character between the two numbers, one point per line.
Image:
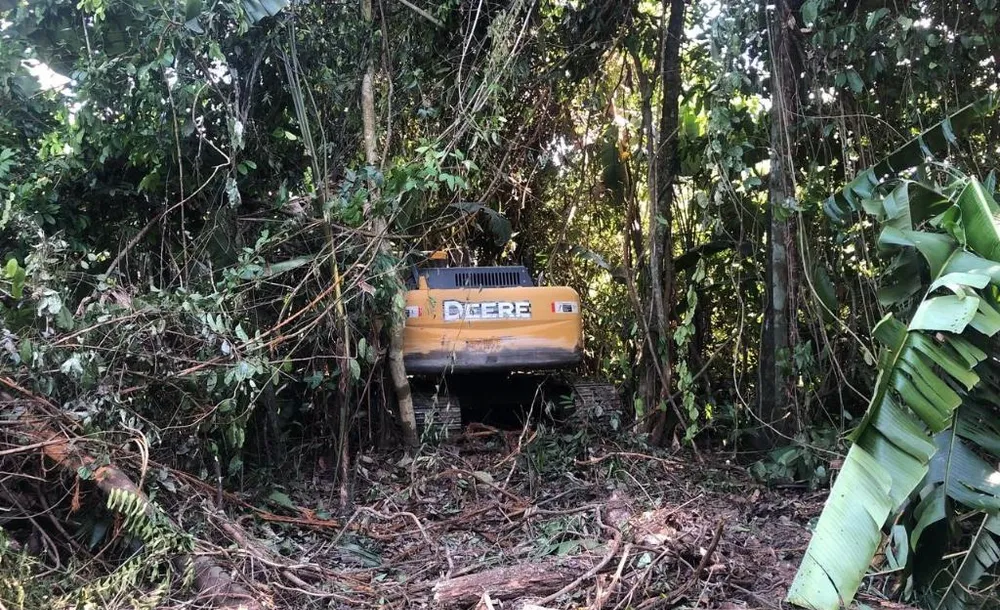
527	519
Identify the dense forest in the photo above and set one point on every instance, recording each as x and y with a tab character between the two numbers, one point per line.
780	217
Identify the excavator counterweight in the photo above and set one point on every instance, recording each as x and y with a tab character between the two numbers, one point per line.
468	319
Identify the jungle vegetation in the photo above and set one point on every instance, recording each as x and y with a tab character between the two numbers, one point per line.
781	217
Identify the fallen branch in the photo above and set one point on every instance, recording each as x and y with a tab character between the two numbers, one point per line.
628	454
31	447
708	554
695	576
603	597
615	543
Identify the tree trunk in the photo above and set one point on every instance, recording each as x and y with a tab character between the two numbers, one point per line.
775	396
400	383
662	175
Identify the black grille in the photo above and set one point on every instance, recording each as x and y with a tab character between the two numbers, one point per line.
477	277
486	278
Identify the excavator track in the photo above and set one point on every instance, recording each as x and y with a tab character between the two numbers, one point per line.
505	401
595	399
438	415
595	405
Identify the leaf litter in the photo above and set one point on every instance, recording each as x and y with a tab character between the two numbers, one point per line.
555	520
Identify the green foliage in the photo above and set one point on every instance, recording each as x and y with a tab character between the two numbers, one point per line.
555	451
18	587
806	461
682	338
933	375
161	544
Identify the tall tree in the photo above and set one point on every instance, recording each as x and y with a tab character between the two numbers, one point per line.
775	396
400	383
663	166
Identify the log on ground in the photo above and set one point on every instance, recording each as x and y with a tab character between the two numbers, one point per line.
510	582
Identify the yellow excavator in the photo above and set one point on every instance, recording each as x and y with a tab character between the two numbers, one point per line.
490	339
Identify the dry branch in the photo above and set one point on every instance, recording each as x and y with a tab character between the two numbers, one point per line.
589	573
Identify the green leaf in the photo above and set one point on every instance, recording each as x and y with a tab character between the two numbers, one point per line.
982	556
844	542
956	281
950	313
933	140
810	10
890	456
966	476
933	412
260	9
26	351
854	80
874	17
981	220
281	498
497	224
367	558
825	293
987	319
192	9
273	269
898	550
17	283
194	26
948	132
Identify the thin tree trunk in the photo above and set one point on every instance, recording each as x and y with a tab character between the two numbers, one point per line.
662	176
775	392
343	343
400	383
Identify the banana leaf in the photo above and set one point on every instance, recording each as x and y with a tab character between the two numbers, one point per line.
983	555
924	408
890	456
934	142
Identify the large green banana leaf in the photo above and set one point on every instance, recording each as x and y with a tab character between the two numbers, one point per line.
927	371
933	142
959	473
907	207
956	472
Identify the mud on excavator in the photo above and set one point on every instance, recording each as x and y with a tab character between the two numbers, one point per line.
487	339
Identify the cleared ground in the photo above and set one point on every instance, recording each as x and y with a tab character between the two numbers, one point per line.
547	518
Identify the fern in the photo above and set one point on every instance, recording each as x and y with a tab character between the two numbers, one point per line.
151	570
